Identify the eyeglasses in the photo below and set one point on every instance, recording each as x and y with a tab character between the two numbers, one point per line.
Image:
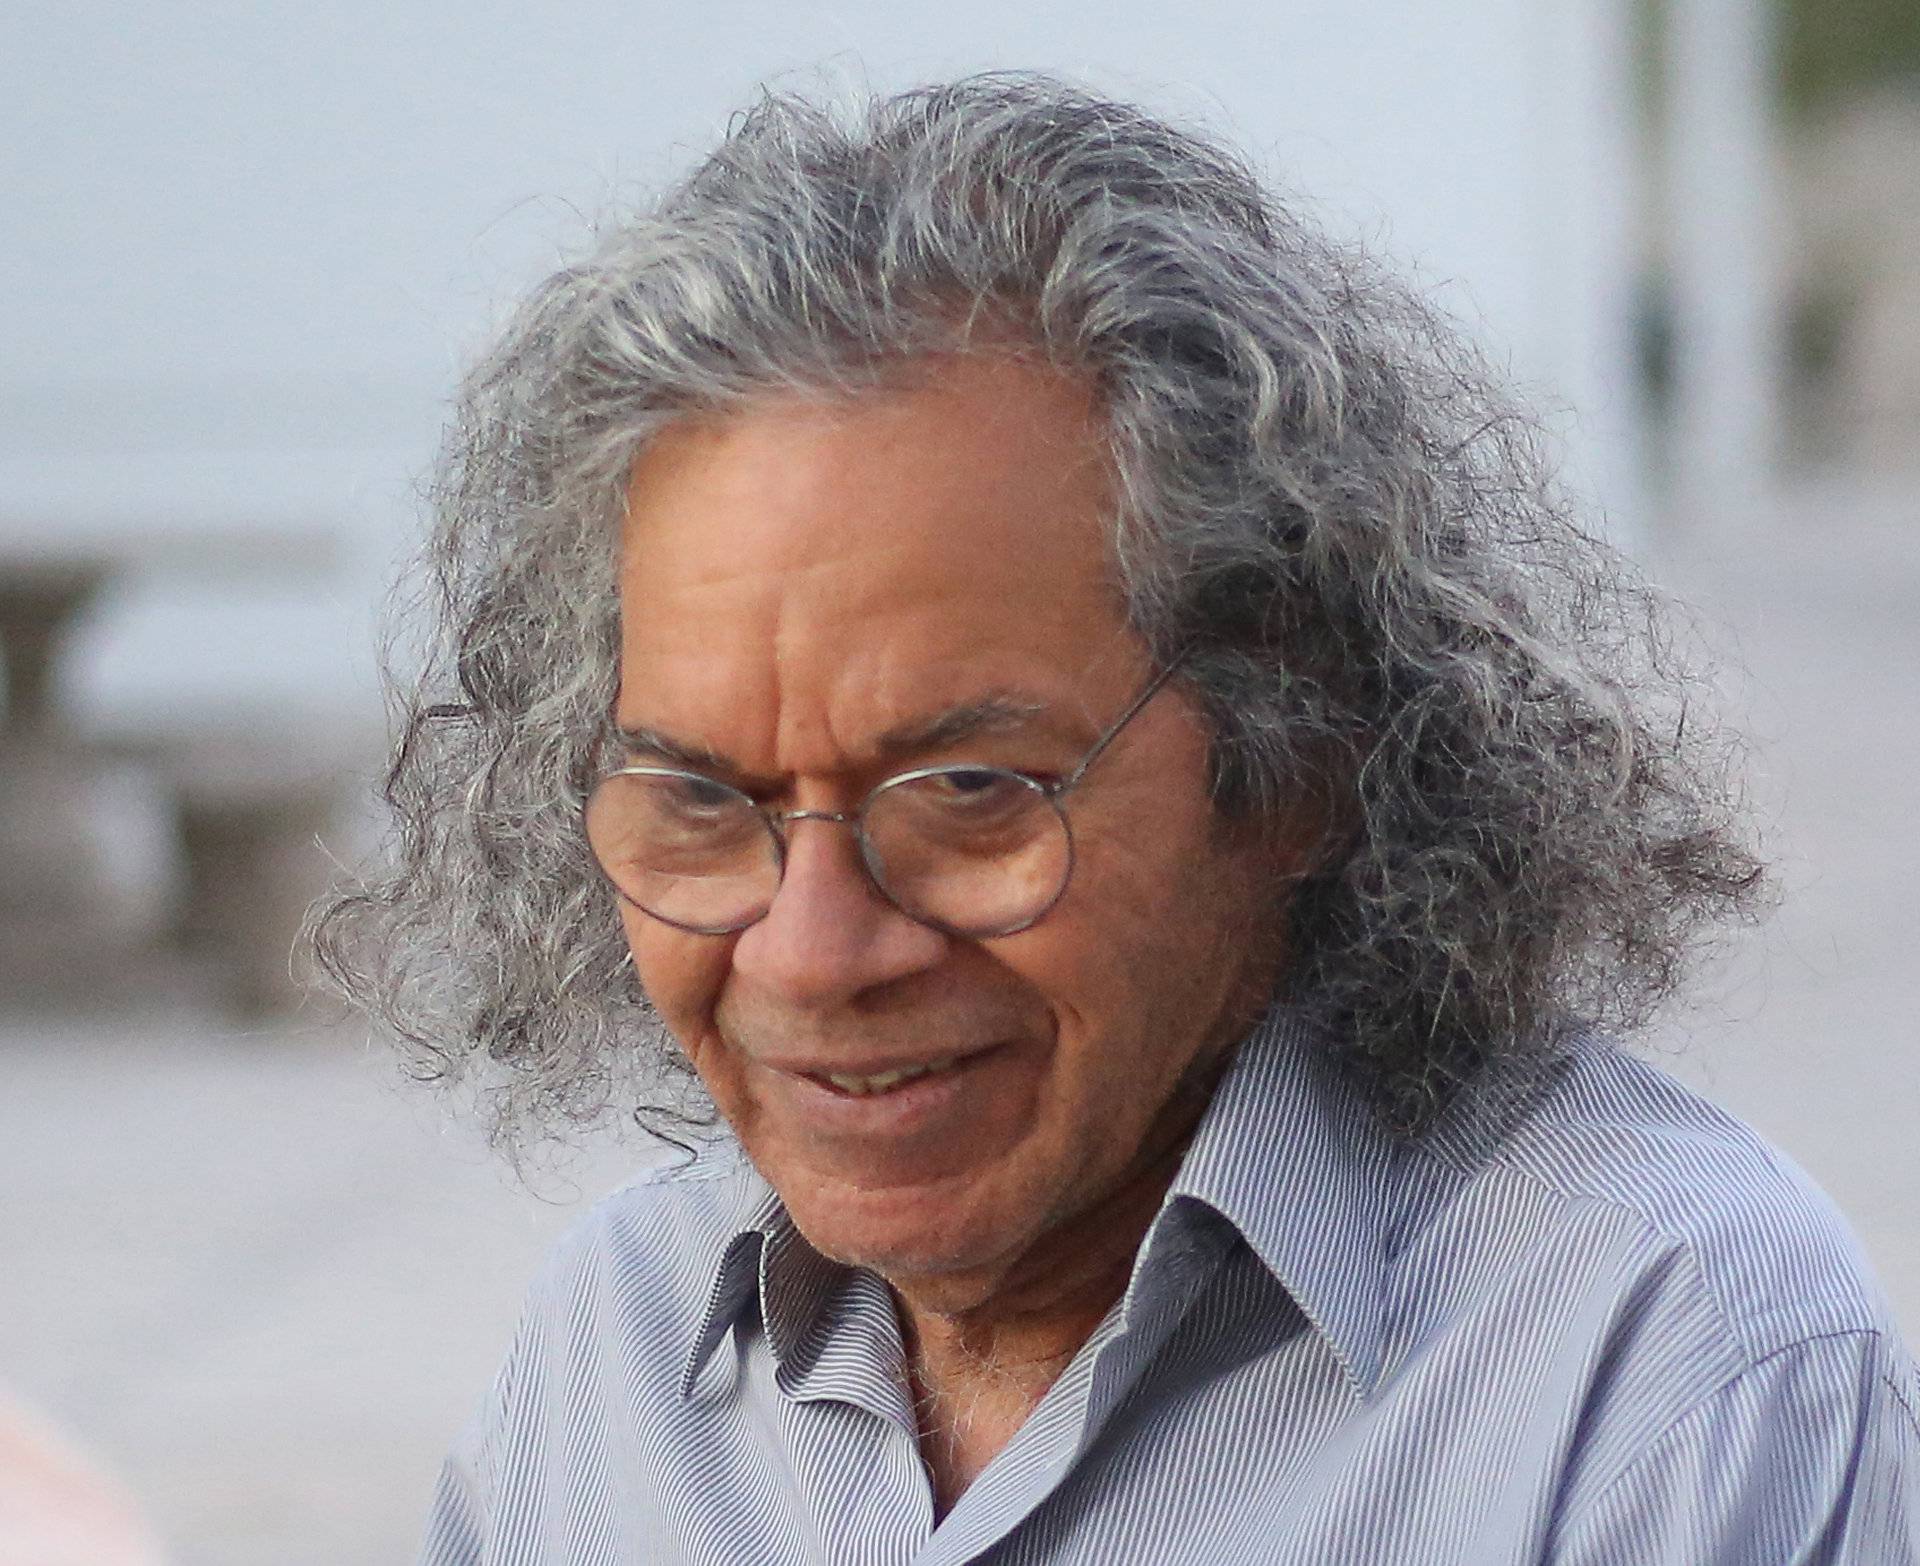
973	851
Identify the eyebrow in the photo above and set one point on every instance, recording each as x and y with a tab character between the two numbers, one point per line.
683	753
992	714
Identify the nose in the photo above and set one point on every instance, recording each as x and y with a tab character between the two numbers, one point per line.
831	935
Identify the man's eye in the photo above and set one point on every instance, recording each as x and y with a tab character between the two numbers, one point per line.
696	798
978	793
973	782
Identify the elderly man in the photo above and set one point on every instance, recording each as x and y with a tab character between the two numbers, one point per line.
1068	703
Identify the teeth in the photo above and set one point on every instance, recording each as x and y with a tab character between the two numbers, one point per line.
881	1081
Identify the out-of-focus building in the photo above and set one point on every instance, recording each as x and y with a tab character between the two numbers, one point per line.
1851	192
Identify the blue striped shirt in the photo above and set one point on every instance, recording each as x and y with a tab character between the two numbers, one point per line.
1592	1321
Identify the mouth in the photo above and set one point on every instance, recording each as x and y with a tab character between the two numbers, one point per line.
870	1084
934	1113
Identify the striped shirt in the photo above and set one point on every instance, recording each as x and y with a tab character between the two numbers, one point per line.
1605	1323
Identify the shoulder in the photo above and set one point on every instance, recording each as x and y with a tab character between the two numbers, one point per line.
1712	1328
594	1370
644	1258
1813	1453
1702	1199
703	1193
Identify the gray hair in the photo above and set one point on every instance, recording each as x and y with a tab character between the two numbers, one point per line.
1328	508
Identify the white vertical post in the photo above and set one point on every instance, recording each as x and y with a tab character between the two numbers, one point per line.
1587	256
1722	227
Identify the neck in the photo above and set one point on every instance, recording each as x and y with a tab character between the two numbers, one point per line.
979	1368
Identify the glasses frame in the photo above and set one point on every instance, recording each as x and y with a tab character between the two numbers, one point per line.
777	823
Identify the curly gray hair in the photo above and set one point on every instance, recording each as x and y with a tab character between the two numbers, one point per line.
1328	508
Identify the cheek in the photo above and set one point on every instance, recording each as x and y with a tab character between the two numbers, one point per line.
680	973
1135	892
1163	945
1095	961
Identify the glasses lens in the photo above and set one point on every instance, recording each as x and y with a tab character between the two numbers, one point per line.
684	848
976	849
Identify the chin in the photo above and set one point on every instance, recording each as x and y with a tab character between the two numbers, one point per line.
911	1241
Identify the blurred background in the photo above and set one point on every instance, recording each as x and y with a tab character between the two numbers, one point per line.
248	247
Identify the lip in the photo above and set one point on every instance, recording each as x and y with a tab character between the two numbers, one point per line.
923	1107
841	1065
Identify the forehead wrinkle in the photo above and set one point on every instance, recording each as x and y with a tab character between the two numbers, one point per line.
995	713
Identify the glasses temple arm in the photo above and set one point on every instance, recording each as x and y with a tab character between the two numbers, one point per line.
1113	731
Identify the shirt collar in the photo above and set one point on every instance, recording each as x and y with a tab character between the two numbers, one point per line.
1290	1154
1287	1152
763	1258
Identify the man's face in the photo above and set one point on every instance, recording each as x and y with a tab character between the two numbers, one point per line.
807	591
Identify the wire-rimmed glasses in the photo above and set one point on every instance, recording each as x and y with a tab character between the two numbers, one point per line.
972	850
